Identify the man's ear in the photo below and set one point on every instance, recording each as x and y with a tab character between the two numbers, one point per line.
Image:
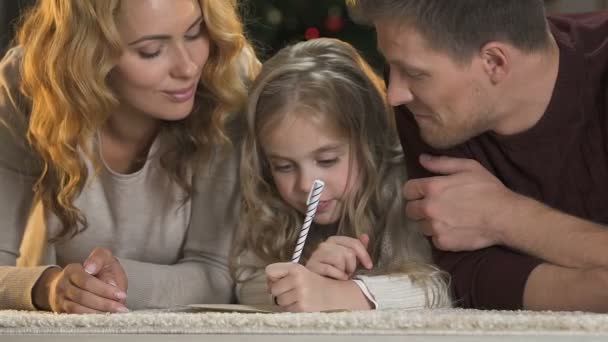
496	59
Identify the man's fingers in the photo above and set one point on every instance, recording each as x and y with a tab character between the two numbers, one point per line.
447	165
414	189
418	210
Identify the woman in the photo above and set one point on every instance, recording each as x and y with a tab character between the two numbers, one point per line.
115	148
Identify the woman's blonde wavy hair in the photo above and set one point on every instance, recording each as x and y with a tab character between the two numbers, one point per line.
329	81
70	47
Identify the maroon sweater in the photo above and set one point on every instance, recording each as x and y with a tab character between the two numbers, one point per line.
562	161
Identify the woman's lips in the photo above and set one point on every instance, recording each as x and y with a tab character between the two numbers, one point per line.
181	95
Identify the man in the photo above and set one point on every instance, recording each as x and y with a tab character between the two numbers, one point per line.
503	118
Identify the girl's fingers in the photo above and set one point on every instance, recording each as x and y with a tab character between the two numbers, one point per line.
357	248
327	270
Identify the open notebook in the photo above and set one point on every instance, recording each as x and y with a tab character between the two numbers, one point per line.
241	308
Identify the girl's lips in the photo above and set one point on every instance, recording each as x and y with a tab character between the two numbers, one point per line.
323	205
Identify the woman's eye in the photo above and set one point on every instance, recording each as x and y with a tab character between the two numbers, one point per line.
148	55
198	33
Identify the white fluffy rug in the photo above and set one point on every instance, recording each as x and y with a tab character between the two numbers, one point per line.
435	322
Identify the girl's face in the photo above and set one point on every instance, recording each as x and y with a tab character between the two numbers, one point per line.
301	149
165	49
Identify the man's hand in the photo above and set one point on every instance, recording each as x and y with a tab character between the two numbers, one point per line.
339	256
297	289
457	209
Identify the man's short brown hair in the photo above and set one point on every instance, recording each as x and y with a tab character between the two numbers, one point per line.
462	27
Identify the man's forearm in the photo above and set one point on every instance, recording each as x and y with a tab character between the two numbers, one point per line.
536	229
551	287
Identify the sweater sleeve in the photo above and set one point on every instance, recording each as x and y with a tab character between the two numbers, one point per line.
252	287
398	291
254	291
202	274
19	170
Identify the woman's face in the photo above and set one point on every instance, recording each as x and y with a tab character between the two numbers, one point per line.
165	48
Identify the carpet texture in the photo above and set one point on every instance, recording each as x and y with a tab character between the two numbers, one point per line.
452	321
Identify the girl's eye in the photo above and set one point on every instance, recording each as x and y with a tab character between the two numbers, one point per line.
327	162
282	168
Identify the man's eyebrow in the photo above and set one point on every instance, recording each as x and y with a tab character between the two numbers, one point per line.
163	36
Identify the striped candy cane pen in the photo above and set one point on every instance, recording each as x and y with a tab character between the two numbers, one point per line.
314	196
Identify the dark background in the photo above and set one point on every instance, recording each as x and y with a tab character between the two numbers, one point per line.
273	23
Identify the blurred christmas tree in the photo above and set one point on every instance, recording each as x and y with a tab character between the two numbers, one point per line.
273	24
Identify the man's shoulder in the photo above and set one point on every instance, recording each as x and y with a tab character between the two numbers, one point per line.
587	32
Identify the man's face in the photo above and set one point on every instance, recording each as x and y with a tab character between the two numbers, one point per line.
449	100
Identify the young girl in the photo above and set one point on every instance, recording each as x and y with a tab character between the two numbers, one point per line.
317	111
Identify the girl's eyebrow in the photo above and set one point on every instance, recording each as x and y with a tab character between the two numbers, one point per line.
163	36
329	148
322	149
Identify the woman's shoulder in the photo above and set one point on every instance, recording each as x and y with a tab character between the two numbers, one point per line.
15	152
14	106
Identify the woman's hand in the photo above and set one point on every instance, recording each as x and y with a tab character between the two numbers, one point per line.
105	266
99	288
339	256
297	289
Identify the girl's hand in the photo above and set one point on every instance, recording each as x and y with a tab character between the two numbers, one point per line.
339	256
297	289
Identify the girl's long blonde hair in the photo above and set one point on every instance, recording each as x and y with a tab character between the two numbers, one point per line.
330	81
69	48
